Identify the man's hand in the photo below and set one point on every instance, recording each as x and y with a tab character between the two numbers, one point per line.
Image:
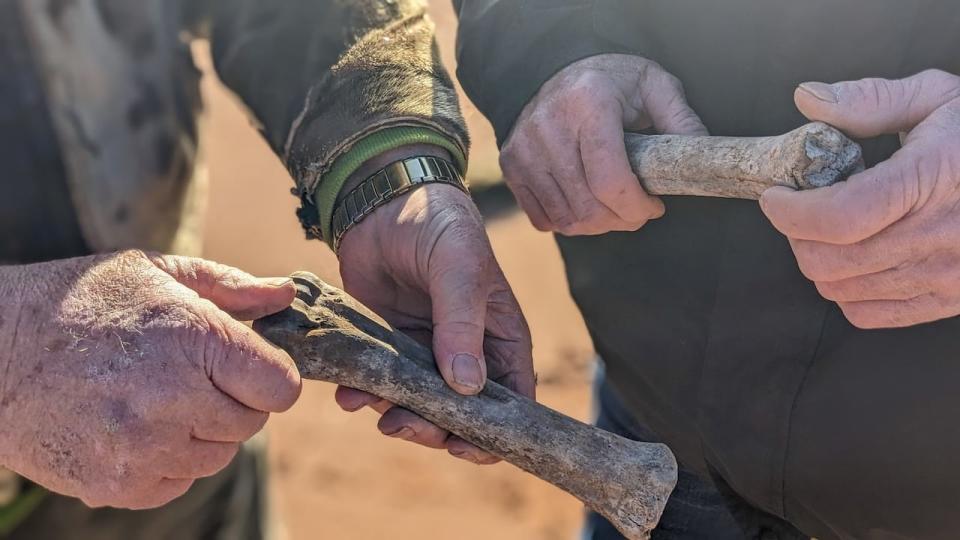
125	378
565	159
885	244
424	263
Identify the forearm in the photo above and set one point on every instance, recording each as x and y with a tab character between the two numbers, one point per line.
333	84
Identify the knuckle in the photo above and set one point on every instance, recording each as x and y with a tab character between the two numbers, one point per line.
512	156
591	213
942	80
814	269
859	316
582	94
671	81
607	190
566	226
831	291
816	262
540	224
635	225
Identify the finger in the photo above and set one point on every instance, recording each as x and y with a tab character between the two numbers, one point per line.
873	107
461	449
159	494
459	286
904	282
666	104
352	400
847	212
515	160
877	314
225	420
591	216
241	295
898	285
819	261
508	346
400	423
531	207
203	459
247	368
609	175
550	197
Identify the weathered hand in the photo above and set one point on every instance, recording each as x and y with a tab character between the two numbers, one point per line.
124	377
423	262
565	159
885	244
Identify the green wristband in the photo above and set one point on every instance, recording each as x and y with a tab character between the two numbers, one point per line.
370	147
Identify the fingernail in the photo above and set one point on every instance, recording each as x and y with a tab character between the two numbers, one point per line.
404	433
460	454
822	91
467	371
279	282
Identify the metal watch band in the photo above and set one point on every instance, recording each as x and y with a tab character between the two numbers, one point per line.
387	184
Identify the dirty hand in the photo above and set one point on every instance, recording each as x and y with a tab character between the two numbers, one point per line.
565	159
885	244
126	376
424	263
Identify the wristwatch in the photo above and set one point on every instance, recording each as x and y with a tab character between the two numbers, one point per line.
387	184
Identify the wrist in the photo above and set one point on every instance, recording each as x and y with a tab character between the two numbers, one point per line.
388	179
347	165
377	163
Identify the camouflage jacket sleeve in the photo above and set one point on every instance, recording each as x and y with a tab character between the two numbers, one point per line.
332	83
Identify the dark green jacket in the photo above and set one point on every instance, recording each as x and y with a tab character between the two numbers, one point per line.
710	333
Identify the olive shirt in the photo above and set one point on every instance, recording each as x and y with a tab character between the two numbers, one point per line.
711	335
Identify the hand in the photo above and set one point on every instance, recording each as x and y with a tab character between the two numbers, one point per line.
565	159
126	378
885	244
423	262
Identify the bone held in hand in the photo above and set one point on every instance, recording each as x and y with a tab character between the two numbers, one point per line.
815	155
333	338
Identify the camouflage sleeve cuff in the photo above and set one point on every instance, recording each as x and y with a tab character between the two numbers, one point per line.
367	148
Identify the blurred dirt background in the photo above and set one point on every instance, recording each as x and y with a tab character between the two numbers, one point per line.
334	475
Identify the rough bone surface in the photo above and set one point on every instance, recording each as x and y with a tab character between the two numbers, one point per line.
333	338
815	155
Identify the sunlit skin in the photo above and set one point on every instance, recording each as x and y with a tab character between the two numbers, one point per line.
565	160
425	264
128	376
884	245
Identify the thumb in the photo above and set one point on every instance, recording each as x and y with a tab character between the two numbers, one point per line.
250	370
666	104
459	287
847	212
243	296
873	107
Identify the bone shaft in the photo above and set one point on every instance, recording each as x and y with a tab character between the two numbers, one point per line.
730	167
595	466
626	481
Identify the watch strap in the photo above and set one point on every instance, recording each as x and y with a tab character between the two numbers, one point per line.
387	184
